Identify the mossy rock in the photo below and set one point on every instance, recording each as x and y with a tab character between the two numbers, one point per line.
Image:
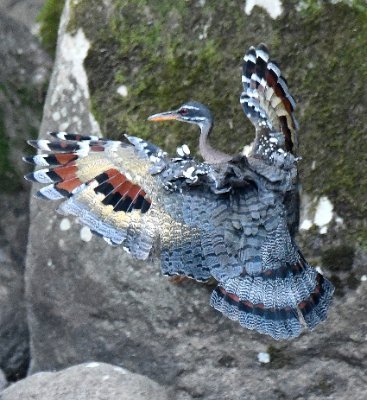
167	52
49	18
338	258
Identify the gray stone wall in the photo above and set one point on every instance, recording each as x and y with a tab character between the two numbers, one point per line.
24	72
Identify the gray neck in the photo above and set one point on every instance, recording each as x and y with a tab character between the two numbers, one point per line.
210	155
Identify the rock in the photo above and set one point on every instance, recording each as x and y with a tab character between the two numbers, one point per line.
3	381
24	72
95	302
23	11
90	381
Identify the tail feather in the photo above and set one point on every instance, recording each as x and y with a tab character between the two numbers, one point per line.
270	304
266	99
314	309
278	323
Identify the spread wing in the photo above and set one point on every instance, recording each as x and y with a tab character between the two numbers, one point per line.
267	102
125	193
188	214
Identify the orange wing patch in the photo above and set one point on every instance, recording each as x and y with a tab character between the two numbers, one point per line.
121	193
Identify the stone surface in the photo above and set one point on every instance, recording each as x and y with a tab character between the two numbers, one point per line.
90	381
88	301
24	11
24	72
3	381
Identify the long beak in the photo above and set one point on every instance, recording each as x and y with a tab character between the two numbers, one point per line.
165	116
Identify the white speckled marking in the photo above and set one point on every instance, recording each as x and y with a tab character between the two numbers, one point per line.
86	234
121	370
76	96
126	249
122	91
186	149
273	7
56	116
64	125
263	357
92	365
306	225
324	212
180	151
247	150
188	173
40	160
43	145
363	278
65	224
318	269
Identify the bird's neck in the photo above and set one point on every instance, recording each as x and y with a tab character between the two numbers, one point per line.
210	155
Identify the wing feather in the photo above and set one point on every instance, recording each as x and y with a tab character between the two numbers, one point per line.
267	102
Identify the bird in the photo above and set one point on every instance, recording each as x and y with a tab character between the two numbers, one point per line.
231	217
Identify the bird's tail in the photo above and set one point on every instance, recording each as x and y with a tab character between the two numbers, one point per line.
276	301
265	99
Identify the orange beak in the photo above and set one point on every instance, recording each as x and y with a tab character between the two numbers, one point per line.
165	116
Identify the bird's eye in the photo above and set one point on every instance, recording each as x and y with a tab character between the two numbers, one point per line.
184	111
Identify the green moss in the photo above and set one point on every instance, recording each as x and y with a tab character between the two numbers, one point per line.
332	71
167	52
49	19
313	7
156	51
338	258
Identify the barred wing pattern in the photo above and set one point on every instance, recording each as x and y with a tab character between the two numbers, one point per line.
187	214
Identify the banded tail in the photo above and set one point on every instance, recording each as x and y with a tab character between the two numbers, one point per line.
276	303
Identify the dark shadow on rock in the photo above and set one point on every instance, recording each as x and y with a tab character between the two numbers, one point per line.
24	71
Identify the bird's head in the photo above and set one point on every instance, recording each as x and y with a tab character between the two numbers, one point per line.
191	112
